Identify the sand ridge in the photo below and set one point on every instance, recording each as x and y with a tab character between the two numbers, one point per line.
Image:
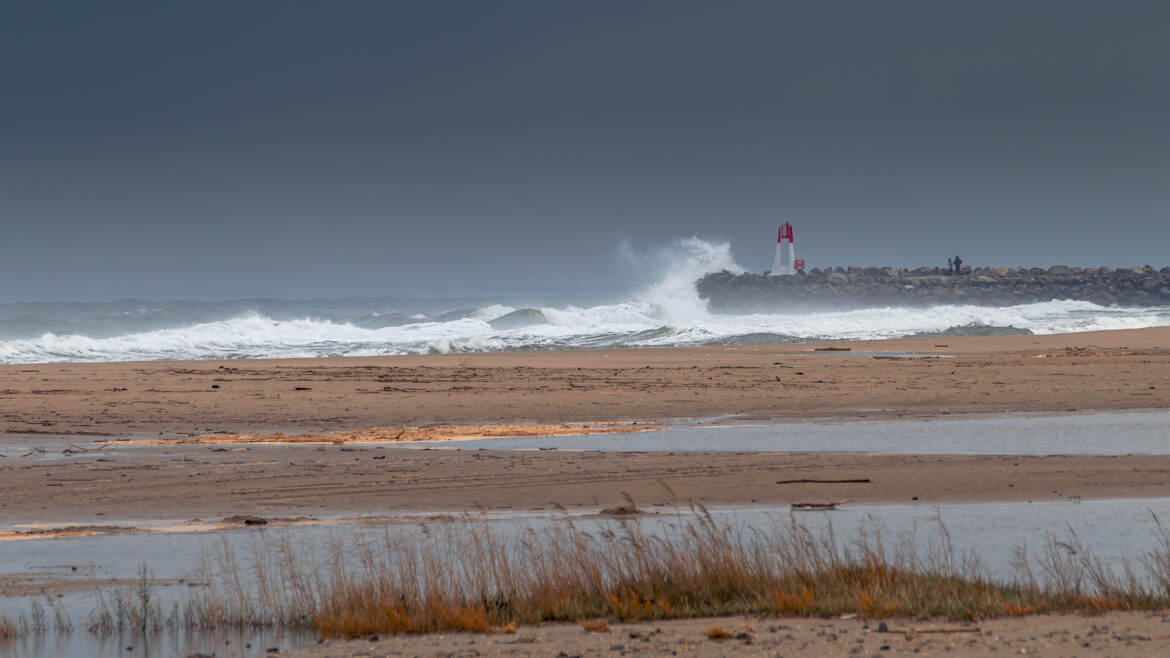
180	482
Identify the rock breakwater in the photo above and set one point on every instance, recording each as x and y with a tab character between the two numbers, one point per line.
865	287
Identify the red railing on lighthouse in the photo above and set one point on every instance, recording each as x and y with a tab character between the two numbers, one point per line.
785	233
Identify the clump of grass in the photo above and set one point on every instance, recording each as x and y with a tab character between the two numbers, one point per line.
133	609
595	626
718	633
463	577
9	630
42	617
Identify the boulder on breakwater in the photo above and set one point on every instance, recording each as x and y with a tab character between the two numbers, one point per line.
868	287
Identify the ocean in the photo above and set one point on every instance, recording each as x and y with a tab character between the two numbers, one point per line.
664	311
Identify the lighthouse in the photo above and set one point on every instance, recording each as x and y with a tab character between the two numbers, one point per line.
784	262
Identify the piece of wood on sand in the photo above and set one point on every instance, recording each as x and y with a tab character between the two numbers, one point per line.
818	506
912	632
818	481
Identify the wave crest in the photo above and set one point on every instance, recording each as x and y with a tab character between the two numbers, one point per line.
666	312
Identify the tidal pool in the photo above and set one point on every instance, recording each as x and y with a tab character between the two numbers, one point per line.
1130	433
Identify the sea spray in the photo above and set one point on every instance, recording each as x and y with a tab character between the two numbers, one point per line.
673	297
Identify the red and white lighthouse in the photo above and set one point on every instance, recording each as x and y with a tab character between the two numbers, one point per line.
784	262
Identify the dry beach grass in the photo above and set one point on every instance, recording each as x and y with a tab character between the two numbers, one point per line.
705	587
466	575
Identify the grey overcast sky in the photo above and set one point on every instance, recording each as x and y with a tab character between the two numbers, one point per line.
275	148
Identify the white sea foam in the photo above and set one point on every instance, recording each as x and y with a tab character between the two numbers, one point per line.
666	312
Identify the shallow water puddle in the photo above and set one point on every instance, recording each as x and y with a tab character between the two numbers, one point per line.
80	643
65	579
1133	433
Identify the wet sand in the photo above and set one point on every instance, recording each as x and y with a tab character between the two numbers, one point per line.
88	404
42	584
209	482
394	435
1113	634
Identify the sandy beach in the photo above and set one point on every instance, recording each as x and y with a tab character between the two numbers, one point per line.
923	377
172	404
1114	634
185	482
116	448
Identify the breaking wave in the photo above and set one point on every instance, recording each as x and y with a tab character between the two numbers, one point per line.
667	312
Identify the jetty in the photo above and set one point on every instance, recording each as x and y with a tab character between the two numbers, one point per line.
871	287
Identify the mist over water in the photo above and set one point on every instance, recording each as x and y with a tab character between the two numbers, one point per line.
667	311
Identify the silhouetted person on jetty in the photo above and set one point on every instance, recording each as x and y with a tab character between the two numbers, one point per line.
950	266
958	264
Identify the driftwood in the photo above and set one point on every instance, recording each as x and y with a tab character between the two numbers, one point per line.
818	506
74	448
805	481
911	632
